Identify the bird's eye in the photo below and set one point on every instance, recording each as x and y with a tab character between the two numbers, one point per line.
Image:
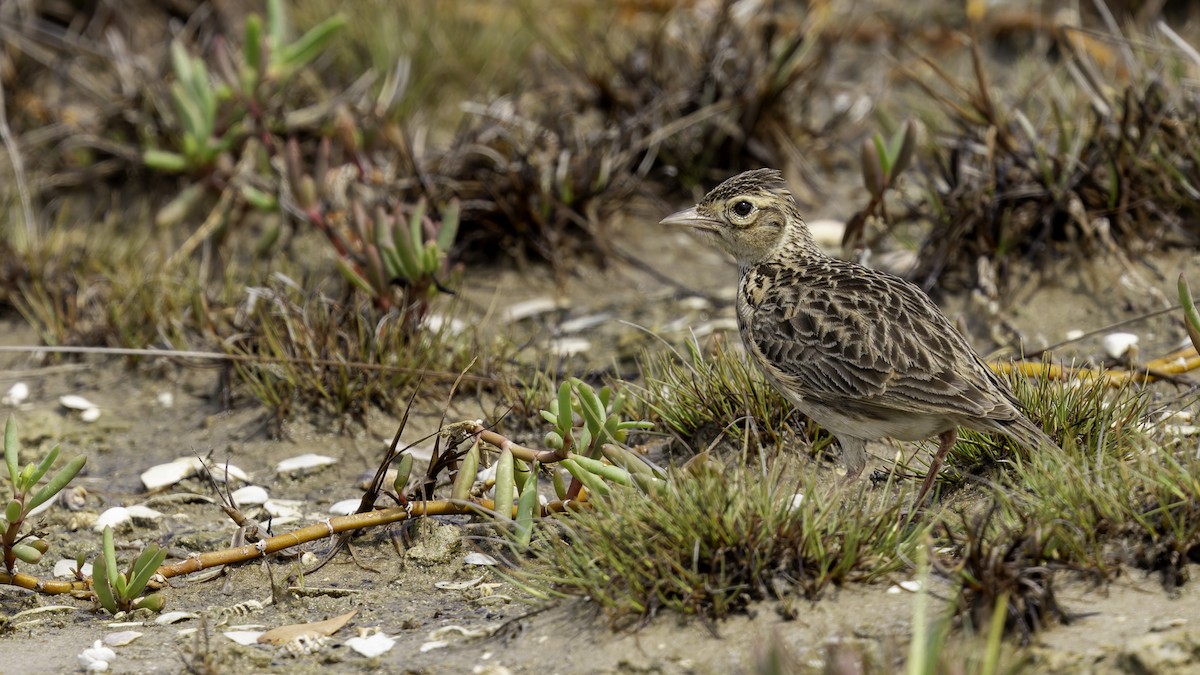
743	208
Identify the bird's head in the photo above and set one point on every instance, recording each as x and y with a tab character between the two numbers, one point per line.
751	215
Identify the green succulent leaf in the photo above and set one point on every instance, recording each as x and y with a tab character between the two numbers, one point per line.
416	236
44	465
101	586
466	474
14	510
608	472
1191	314
276	23
164	161
252	54
560	488
526	506
143	569
259	199
873	171
590	480
353	277
26	554
564	409
505	485
10	450
59	481
297	54
403	471
448	229
153	602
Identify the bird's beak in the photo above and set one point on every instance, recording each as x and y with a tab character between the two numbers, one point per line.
691	218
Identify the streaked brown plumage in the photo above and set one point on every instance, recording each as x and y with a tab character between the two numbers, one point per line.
863	353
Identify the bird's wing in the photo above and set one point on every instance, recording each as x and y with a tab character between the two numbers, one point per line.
841	333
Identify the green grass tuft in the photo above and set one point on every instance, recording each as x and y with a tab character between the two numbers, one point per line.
719	538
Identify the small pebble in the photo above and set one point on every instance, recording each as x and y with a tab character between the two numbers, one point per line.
250	495
1117	345
16	394
345	507
117	517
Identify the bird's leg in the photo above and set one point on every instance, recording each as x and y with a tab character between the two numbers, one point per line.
947	439
854	456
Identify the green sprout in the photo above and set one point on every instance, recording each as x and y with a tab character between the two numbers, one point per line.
201	102
882	162
118	591
26	496
410	251
1191	315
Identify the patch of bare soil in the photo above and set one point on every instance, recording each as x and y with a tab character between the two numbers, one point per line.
154	413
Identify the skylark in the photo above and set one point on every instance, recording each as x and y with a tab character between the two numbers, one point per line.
863	353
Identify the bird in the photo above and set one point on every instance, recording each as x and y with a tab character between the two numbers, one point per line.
863	353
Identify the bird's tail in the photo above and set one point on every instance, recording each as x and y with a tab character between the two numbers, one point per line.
1028	434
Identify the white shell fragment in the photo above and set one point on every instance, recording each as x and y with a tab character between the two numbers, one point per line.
345	507
583	323
16	394
121	638
95	659
244	637
74	402
434	644
371	646
88	412
304	463
527	309
166	399
116	518
437	323
459	585
1117	345
284	508
569	346
251	495
163	475
143	513
454	629
479	559
65	569
168	618
1074	334
912	585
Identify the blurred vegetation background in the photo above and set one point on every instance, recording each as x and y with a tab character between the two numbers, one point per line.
310	180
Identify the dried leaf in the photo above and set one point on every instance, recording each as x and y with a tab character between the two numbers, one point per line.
286	634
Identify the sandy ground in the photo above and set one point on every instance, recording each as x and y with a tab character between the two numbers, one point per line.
1125	626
